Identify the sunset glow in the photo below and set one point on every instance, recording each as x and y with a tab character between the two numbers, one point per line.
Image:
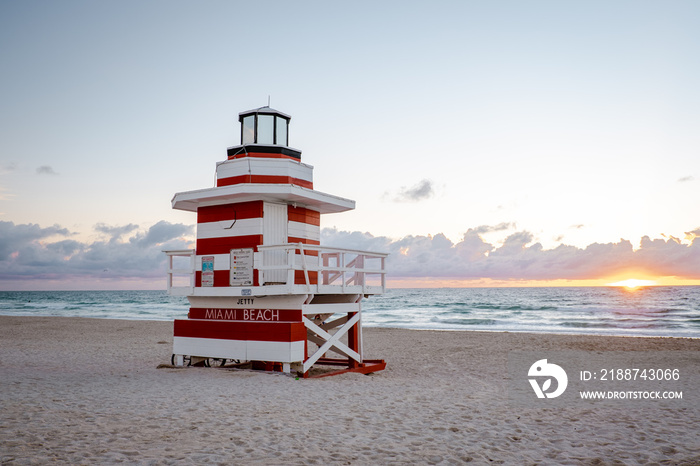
633	283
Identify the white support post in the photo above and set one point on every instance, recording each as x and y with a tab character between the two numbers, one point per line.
383	274
341	263
193	261
359	328
360	276
170	273
290	267
306	269
259	264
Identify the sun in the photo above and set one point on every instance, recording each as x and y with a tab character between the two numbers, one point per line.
633	283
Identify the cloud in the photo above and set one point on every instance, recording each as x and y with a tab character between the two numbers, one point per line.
66	247
160	233
492	228
690	235
115	232
357	240
685	179
8	168
14	237
27	253
45	170
519	258
421	191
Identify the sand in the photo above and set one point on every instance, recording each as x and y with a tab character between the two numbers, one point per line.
86	391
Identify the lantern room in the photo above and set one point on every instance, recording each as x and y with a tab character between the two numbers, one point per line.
264	130
264	125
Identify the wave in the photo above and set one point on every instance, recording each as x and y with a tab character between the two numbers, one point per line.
672	311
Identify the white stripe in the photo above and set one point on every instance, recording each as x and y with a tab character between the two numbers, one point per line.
304	230
277	351
242	227
266	167
210	347
221	195
254	226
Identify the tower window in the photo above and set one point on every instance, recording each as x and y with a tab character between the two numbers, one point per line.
264	126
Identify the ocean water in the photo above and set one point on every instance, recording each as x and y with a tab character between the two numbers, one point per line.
648	311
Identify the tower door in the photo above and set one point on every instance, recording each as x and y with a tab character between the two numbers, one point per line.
275	232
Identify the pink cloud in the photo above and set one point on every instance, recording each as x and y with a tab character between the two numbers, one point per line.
32	254
518	258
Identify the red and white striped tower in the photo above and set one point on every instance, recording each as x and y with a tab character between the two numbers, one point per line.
261	286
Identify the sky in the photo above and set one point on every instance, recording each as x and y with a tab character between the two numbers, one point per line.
501	143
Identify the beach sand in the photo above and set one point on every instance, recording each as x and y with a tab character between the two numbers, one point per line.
82	391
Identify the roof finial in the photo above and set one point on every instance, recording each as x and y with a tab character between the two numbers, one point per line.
268	100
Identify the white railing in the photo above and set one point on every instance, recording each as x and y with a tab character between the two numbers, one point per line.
337	270
174	273
342	270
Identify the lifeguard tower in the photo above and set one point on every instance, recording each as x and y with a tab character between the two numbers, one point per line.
261	287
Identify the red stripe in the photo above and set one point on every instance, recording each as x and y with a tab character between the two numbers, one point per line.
300	278
224	245
302	215
221	278
247	315
241	210
245	331
262	155
271	179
